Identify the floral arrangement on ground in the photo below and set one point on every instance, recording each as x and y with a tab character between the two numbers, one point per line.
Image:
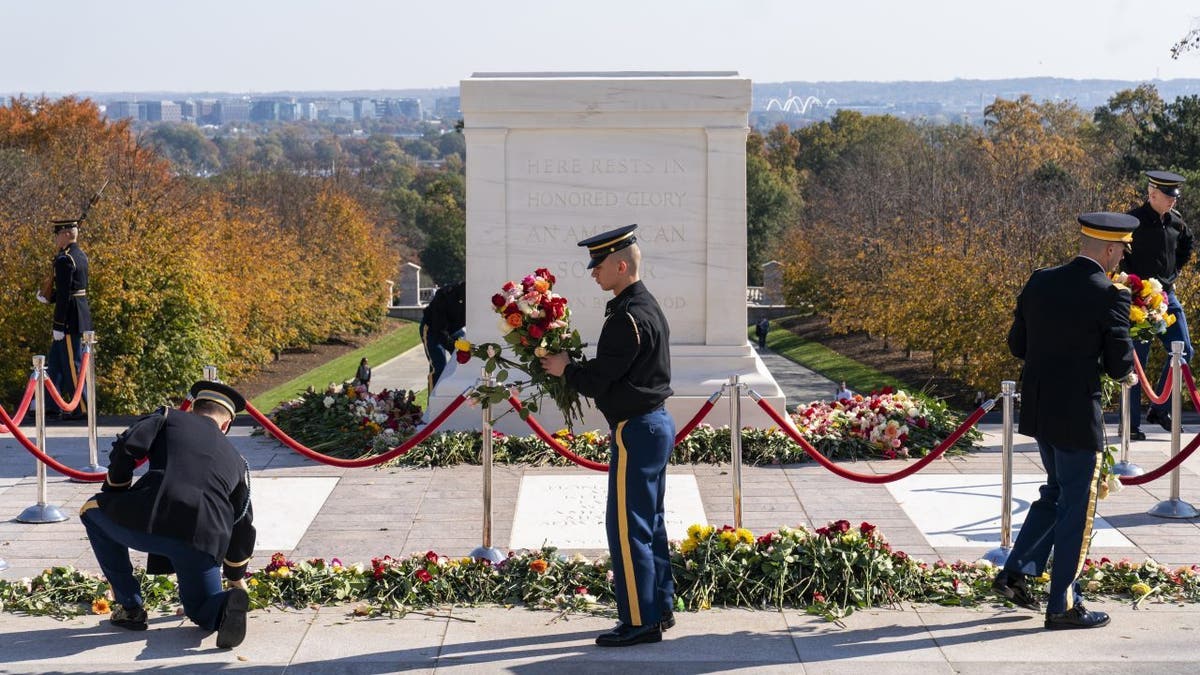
347	421
829	571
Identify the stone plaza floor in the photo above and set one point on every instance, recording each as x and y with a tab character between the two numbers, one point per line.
305	509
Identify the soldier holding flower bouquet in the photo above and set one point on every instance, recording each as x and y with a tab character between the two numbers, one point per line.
1161	248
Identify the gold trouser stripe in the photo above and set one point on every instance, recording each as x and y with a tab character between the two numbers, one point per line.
88	506
635	612
240	563
74	375
1087	529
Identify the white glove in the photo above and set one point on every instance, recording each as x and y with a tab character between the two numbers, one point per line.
1130	380
42	299
240	583
58	335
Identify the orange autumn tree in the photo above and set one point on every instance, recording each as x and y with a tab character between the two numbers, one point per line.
180	277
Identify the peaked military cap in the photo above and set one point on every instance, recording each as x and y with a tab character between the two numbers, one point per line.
219	393
1166	181
60	225
1108	226
601	245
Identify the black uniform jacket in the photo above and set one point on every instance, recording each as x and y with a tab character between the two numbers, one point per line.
631	374
446	314
1071	325
71	311
1162	246
197	488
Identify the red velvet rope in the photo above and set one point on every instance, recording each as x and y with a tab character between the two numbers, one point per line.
864	477
373	460
1184	453
1146	387
53	390
1191	385
541	433
562	450
82	476
24	407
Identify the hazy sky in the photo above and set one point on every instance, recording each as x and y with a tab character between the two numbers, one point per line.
62	46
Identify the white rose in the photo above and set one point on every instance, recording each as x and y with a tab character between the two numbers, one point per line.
540	352
328	401
505	329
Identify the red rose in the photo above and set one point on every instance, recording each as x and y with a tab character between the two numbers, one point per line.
866	528
424	576
498	300
431	556
536	332
462	357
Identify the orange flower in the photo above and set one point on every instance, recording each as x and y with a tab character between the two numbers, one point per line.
538	566
514	319
101	606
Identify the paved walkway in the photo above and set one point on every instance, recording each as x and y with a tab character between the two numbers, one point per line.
363	513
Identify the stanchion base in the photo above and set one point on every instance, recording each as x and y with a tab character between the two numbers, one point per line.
488	553
1127	469
41	513
997	556
90	468
3	564
1173	508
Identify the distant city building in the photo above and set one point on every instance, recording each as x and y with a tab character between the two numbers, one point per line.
289	111
232	110
364	109
120	110
264	110
409	108
163	111
448	108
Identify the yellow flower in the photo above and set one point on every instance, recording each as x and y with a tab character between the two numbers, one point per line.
284	572
462	345
1154	301
1139	589
252	582
562	433
694	530
1136	314
687	546
745	536
350	393
707	531
729	539
1170	319
1044	578
100	606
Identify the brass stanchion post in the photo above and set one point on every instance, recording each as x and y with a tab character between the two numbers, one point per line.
998	556
1175	507
486	551
735	445
89	347
1124	467
41	512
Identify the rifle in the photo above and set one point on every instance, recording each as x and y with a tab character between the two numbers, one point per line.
47	286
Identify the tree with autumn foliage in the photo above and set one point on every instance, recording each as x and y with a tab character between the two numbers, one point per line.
184	272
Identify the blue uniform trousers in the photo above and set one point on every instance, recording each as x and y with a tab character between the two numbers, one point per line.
636	524
198	574
1175	333
1060	519
62	368
436	354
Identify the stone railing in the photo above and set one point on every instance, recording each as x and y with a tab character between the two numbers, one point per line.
754	295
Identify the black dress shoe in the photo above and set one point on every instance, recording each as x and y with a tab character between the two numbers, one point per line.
668	619
626	635
1162	419
1076	617
1137	435
1016	591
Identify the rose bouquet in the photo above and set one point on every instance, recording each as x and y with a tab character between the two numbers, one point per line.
1148	315
534	322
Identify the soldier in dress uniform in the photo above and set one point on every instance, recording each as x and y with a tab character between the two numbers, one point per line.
630	380
442	323
1071	326
191	512
1162	247
72	315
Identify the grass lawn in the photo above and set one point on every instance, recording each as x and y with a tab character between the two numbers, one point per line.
824	361
393	344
